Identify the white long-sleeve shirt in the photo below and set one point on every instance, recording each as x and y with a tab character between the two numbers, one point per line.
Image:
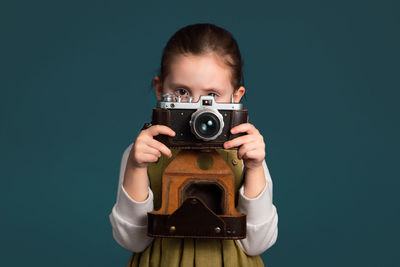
129	217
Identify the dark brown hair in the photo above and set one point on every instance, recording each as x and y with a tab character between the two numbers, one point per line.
198	39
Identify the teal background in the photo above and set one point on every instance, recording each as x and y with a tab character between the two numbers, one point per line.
322	81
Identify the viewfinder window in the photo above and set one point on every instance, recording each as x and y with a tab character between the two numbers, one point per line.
207	102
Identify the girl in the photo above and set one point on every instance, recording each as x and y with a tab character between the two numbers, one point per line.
200	59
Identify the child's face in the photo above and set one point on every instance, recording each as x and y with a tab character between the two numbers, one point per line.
191	75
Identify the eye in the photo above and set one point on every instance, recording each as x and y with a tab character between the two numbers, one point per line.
181	92
213	94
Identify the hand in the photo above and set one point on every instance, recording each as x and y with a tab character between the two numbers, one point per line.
251	146
146	149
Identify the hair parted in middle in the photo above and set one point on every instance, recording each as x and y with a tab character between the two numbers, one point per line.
204	38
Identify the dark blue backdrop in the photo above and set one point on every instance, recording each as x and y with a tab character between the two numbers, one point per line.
322	81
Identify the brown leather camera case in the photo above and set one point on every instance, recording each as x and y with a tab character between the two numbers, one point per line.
191	184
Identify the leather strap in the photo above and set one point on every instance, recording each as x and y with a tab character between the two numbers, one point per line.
194	219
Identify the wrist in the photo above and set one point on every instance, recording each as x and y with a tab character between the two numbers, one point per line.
132	165
254	182
136	182
254	169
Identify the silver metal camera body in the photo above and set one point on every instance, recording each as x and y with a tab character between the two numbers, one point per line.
202	124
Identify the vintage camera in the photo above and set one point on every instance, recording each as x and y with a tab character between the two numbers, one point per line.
198	185
198	125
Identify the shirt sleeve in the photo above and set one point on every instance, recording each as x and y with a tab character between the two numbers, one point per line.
129	217
262	219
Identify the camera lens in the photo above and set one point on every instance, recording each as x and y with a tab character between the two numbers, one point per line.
207	124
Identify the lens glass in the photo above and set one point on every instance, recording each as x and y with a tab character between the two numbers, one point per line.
207	125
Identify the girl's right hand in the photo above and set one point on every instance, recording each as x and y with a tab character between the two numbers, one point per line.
146	149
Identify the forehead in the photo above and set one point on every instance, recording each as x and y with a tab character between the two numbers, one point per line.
200	72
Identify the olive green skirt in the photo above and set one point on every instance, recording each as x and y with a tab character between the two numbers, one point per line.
176	252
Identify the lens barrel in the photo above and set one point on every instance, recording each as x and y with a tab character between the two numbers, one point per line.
207	124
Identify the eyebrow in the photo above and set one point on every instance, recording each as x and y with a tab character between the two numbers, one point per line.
178	85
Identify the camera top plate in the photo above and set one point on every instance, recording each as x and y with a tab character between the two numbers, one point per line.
169	101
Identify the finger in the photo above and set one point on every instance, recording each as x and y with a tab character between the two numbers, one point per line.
255	154
160	129
160	147
151	150
142	145
146	158
149	157
246	148
238	141
244	128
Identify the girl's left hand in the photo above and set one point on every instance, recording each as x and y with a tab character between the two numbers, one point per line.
251	146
